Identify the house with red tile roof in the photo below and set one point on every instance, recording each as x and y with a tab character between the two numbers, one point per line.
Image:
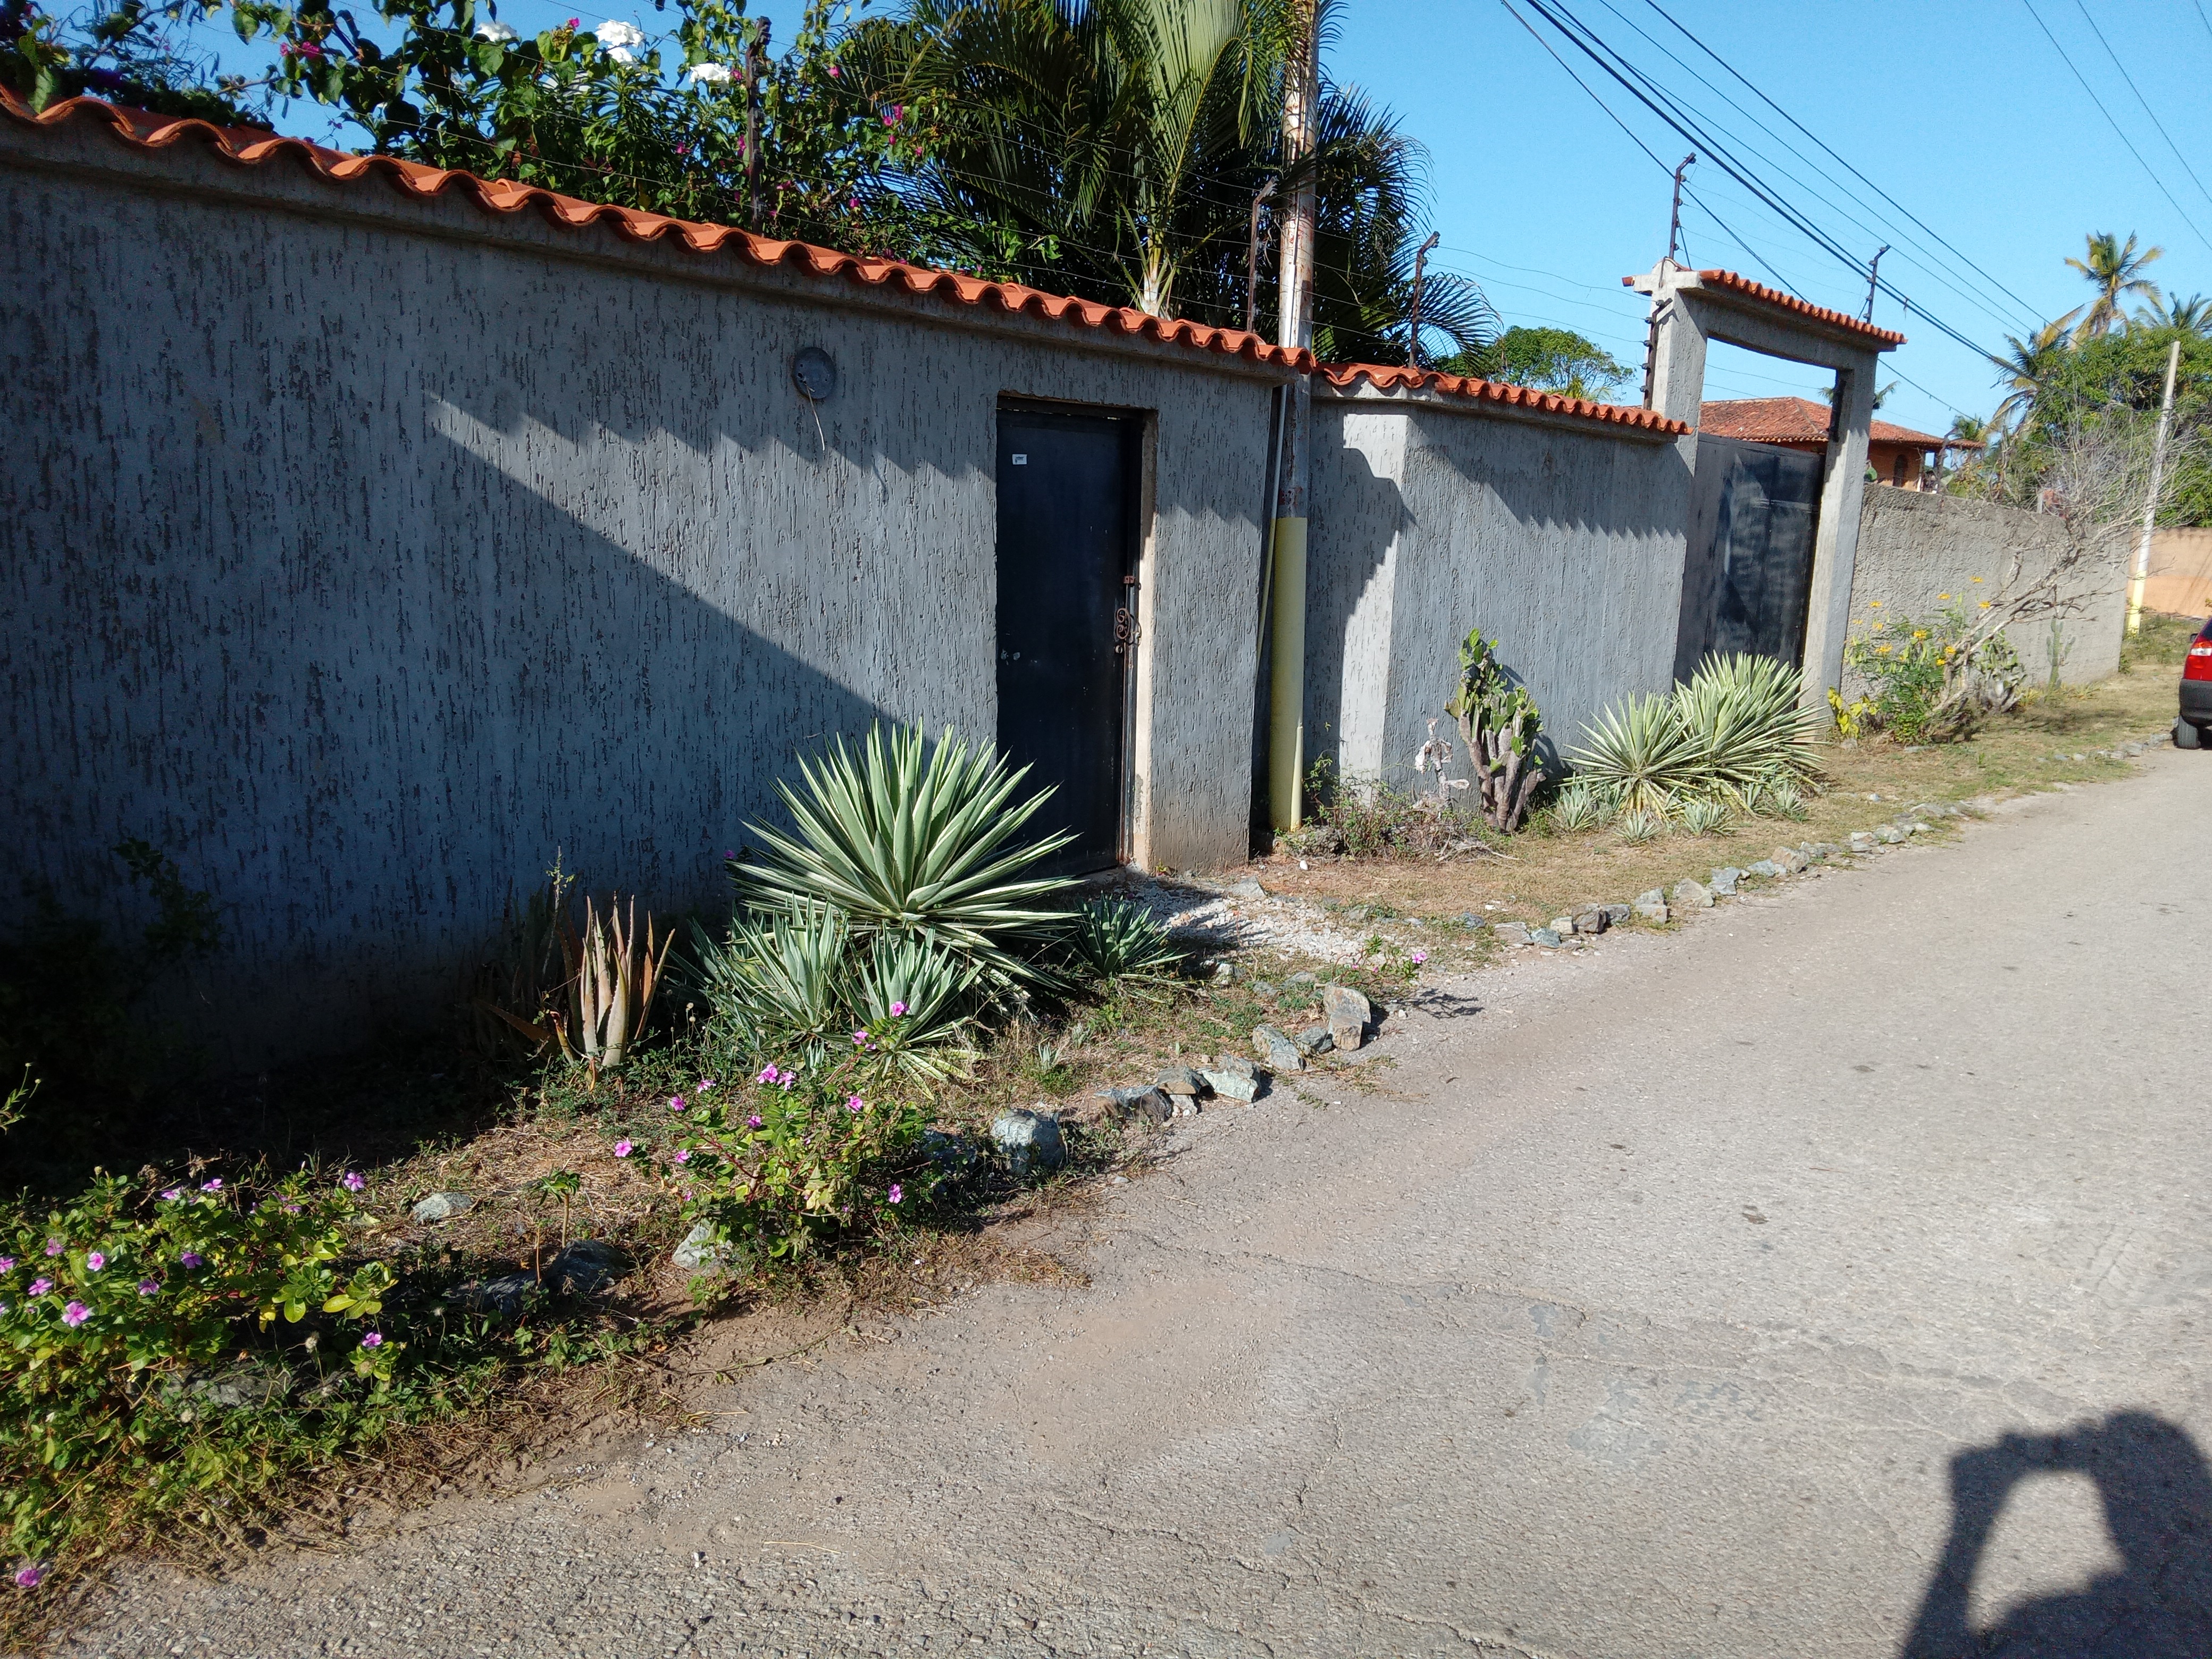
1896	455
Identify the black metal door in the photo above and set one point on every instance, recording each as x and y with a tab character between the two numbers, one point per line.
1748	574
1067	553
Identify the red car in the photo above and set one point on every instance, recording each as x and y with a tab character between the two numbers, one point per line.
2189	732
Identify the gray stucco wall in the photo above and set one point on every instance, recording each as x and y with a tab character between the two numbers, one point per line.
363	552
1433	515
1914	548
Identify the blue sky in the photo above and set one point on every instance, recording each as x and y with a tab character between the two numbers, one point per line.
1961	109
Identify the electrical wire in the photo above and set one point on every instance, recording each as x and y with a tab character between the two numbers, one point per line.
2144	101
2110	122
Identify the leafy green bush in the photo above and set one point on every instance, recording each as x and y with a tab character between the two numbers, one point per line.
776	1166
1927	681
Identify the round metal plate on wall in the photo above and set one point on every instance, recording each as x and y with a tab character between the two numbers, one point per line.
815	374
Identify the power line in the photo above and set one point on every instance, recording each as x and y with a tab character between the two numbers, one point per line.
2027	309
2144	101
2110	122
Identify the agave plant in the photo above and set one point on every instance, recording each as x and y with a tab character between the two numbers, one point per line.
1743	715
1638	755
910	1003
1782	799
1638	825
1117	942
910	840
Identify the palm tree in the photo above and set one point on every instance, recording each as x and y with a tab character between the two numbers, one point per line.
1114	149
2031	363
1970	429
2190	316
2115	272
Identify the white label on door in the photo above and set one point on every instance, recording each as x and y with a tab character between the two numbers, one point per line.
1021	460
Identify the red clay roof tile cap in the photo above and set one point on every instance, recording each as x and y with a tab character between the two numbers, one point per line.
1741	284
1386	378
251	147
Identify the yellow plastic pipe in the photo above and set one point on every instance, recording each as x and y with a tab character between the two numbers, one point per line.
1286	683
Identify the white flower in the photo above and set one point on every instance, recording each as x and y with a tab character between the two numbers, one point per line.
618	36
713	74
621	54
498	32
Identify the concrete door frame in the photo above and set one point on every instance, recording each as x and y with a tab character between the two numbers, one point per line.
1692	308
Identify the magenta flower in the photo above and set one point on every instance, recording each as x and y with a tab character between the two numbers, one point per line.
54	1247
95	1261
767	1075
683	1155
898	1010
753	1122
836	73
787	1078
894	115
290	1208
374	1340
572	21
353	1181
28	1577
730	853
897	1193
40	1286
859	1037
150	1287
75	1314
172	1194
7	1264
853	1103
191	1258
705	1084
215	1186
621	1149
1418	958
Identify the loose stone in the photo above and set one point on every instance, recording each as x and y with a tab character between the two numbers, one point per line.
1029	1142
1277	1050
1347	1014
1690	895
440	1206
1723	881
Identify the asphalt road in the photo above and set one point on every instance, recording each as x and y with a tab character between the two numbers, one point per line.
1832	1277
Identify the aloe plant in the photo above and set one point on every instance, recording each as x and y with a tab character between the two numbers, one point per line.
612	982
905	838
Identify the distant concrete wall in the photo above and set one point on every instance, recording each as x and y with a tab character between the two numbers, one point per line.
2181	579
1433	514
363	552
1914	548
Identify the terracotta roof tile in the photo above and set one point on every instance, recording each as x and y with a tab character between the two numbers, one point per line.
250	146
1789	302
1384	379
1802	421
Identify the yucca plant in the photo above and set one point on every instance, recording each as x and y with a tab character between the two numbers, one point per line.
778	982
1116	942
1577	808
1706	815
1782	799
1638	755
911	1004
1638	825
908	839
1743	715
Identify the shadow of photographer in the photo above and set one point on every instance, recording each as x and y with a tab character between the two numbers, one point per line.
2157	1495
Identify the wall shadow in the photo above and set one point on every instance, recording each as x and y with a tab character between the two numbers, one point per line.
1357	515
2157	1495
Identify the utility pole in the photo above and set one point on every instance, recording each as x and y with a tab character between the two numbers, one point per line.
1286	680
1874	281
756	66
2150	502
1252	261
1420	271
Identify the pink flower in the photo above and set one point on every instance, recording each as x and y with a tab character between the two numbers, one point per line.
172	1194
54	1247
897	1193
40	1286
787	1078
95	1261
191	1258
676	1102
374	1340
75	1314
836	73
1419	957
859	1037
215	1186
753	1122
898	1010
894	115
150	1287
705	1084
684	1155
28	1577
766	1074
621	1149
853	1103
353	1181
572	21
7	1264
